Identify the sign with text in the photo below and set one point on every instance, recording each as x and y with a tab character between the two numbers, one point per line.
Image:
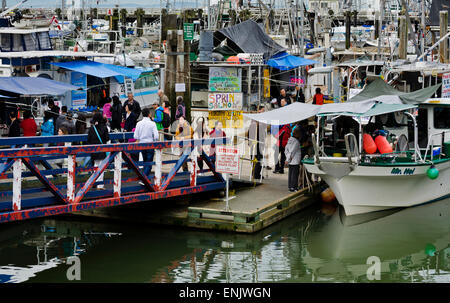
446	85
227	159
229	119
180	87
225	79
225	101
79	97
188	31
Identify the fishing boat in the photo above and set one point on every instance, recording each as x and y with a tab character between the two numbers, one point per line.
371	182
365	182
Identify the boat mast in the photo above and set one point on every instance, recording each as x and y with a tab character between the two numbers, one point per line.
424	29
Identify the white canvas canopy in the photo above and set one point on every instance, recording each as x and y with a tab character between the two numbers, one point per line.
300	111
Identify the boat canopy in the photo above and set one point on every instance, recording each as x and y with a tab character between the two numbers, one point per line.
284	61
100	70
380	91
34	86
300	111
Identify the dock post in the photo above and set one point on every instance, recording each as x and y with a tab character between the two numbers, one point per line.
17	184
118	175
403	31
193	167
170	72
158	165
71	164
347	29
443	47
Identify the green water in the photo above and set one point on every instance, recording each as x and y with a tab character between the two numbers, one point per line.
318	244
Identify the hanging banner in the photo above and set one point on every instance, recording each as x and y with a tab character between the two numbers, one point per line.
225	101
446	85
225	79
79	97
229	119
266	83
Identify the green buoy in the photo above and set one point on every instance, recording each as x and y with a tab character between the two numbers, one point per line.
432	172
430	249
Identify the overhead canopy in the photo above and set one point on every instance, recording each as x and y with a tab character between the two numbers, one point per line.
34	86
378	90
101	70
300	111
284	61
248	37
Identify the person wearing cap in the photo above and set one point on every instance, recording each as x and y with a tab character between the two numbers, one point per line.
159	115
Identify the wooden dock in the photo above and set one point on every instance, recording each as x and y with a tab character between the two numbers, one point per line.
253	207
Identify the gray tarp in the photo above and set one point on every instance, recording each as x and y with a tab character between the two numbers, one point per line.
248	37
378	90
436	7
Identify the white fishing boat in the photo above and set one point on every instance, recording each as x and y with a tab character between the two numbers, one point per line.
404	176
365	182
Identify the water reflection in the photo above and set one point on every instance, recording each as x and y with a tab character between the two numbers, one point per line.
319	244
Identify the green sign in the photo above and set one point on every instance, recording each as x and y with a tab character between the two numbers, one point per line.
188	31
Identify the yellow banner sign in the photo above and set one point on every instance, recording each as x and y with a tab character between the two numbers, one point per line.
229	119
266	84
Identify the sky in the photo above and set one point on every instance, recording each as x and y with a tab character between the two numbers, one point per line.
108	3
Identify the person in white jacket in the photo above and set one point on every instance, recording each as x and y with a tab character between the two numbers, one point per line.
293	158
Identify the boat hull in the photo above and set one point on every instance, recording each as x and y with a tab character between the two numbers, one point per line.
373	188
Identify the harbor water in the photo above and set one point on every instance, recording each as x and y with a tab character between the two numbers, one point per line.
319	244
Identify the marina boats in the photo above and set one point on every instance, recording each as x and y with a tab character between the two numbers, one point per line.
364	182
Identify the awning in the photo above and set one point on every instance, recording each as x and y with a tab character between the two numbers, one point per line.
30	86
284	61
380	91
300	111
101	70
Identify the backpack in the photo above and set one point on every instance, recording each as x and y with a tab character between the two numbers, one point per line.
166	120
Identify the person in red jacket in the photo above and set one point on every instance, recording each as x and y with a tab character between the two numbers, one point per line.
318	97
28	125
283	137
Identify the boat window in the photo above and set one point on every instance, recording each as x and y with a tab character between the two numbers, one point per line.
146	80
5	42
31	42
17	43
44	41
422	127
441	117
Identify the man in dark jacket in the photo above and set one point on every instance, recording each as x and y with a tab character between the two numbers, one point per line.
14	127
134	106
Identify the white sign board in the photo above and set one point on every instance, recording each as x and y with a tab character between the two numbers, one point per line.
129	86
446	85
227	159
225	101
180	87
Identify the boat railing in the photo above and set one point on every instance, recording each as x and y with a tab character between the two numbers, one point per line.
430	145
351	154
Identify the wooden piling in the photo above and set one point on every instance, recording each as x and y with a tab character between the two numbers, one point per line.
403	31
347	29
443	46
170	71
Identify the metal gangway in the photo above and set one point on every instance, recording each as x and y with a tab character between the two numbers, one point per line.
38	181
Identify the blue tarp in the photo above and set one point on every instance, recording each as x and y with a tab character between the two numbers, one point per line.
284	61
34	86
101	70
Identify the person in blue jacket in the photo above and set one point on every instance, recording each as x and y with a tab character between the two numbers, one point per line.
48	127
159	116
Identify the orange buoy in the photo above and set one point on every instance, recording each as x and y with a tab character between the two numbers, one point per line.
383	145
327	196
369	145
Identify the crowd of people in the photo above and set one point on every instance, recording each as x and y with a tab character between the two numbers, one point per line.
293	141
